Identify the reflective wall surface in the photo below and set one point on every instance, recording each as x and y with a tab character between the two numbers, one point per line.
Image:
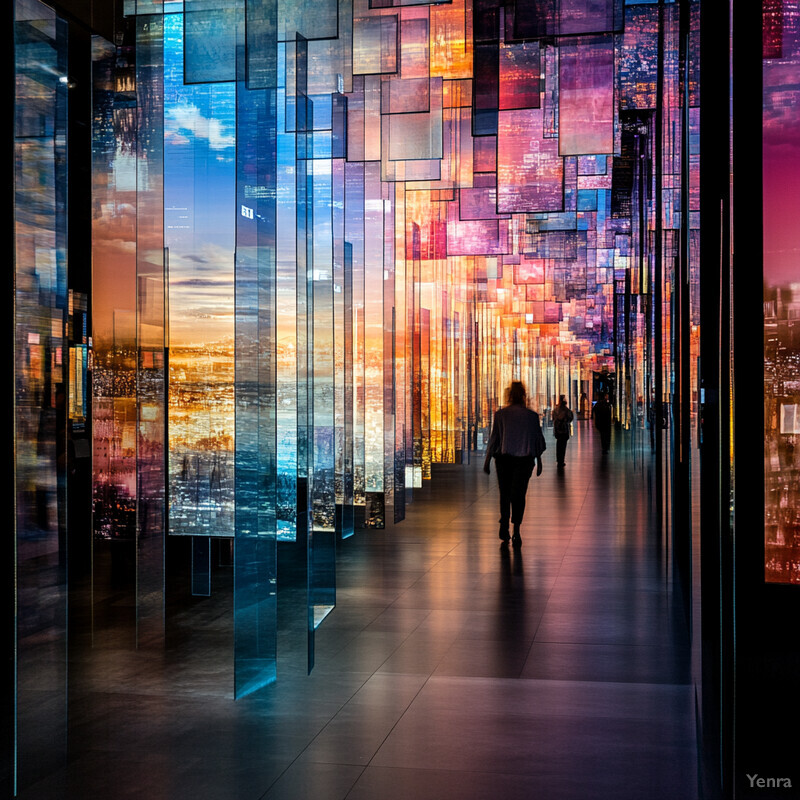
43	402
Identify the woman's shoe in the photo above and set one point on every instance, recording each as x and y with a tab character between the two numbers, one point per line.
516	540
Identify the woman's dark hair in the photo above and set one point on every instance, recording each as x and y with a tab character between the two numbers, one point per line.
516	392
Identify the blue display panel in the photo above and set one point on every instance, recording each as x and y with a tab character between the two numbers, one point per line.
199	236
255	555
211	28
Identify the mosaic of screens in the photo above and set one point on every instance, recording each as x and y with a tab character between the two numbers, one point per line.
781	184
325	241
451	188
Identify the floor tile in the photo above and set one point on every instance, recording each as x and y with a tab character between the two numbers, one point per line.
450	669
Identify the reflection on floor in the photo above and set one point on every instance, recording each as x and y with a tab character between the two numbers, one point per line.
449	669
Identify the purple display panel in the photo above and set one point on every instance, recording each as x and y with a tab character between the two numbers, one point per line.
530	19
425	389
486	89
480	202
589	16
485	154
399	360
475	237
639	57
519	76
530	172
586	96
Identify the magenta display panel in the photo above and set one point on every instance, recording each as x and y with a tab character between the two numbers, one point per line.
781	199
586	97
530	171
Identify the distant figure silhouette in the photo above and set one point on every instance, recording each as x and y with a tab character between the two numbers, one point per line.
562	417
603	413
516	444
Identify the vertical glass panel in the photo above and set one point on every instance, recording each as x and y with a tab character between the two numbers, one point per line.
387	387
354	234
199	199
339	351
373	342
321	496
255	562
348	500
781	185
150	333
399	358
41	392
115	156
286	320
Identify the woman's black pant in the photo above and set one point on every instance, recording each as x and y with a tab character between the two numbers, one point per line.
513	474
561	448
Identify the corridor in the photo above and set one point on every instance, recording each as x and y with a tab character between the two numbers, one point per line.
449	669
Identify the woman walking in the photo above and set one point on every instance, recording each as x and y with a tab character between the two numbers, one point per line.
516	443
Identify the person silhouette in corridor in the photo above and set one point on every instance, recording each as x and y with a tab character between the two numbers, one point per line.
603	413
516	443
562	418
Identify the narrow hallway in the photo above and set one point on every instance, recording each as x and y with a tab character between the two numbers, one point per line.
450	670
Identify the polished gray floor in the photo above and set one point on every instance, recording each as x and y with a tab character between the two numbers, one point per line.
450	669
